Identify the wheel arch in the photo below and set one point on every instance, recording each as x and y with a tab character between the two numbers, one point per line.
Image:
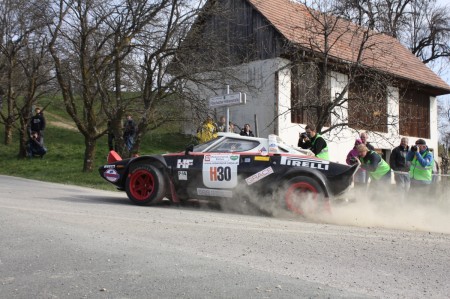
157	161
312	173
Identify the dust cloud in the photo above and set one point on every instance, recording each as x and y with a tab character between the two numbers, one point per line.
392	209
384	208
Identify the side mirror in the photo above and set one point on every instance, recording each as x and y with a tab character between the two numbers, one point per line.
189	148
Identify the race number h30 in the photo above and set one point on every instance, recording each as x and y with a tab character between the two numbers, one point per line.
219	174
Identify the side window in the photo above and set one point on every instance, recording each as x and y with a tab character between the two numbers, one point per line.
234	145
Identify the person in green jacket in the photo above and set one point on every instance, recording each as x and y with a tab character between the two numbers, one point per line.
313	141
379	170
421	167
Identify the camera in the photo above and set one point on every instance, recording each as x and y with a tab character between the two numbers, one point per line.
414	148
304	135
353	160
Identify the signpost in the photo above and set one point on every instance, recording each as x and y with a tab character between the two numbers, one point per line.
227	100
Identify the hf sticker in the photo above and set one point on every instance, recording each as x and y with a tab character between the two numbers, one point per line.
184	163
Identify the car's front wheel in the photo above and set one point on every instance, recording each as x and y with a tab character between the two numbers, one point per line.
145	184
303	195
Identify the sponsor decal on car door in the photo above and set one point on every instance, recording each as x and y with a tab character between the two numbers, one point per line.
220	170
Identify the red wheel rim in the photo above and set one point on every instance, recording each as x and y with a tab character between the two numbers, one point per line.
297	195
142	184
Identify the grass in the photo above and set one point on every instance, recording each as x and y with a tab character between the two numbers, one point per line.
63	162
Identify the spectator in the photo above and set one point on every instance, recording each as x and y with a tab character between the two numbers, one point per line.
111	137
421	167
378	170
231	127
353	153
222	125
314	142
207	131
246	131
360	176
37	124
35	147
129	131
435	172
364	138
399	164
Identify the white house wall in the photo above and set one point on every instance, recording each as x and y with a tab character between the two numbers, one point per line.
259	78
270	96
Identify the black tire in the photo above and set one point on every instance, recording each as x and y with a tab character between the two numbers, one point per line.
145	184
303	195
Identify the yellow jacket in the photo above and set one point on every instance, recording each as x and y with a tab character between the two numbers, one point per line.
206	132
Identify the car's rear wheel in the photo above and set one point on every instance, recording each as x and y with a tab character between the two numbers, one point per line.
303	195
145	184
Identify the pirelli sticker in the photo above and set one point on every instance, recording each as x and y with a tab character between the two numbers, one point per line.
259	175
305	162
262	158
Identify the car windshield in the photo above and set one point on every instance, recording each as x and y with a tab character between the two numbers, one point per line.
229	145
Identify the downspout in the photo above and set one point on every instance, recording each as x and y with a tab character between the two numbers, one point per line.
276	104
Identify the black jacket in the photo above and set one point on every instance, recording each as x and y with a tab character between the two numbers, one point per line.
37	123
397	161
318	146
249	133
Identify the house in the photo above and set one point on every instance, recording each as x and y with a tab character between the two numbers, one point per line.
297	65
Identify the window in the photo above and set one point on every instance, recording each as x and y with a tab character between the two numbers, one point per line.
414	113
308	104
367	105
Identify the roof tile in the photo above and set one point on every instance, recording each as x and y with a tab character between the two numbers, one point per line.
385	53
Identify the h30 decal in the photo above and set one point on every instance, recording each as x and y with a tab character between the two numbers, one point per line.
220	170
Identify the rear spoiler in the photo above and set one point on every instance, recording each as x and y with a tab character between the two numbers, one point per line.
113	156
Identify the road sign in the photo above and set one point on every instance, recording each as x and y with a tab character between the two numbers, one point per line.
231	99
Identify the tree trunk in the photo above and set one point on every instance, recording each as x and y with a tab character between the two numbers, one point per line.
8	132
23	143
89	154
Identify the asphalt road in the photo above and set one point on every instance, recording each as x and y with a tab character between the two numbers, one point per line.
59	241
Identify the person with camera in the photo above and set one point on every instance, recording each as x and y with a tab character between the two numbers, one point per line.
421	167
35	147
313	141
399	165
379	170
246	131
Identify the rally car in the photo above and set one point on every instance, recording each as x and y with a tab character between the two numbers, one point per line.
227	165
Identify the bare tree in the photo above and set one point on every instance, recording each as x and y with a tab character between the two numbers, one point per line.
91	45
421	25
146	71
24	69
362	104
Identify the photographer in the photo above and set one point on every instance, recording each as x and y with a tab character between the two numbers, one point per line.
314	142
35	146
421	168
